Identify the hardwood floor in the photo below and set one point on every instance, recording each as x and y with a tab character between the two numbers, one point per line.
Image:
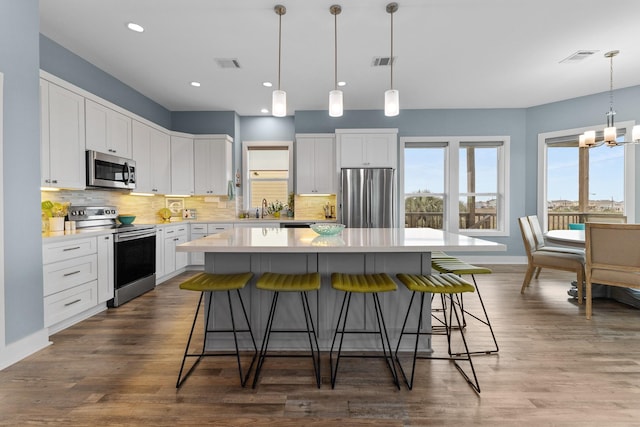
554	368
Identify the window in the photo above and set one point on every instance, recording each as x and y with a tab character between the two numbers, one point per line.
267	167
456	184
577	185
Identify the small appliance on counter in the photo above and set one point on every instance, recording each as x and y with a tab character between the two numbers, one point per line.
134	249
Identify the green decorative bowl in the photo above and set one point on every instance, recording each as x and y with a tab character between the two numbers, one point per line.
126	219
327	229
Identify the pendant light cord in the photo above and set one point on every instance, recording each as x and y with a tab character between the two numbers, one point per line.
610	116
279	46
335	51
391	59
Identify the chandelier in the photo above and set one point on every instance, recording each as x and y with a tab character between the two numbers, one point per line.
610	133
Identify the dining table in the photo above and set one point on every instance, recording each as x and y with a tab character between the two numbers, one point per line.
574	238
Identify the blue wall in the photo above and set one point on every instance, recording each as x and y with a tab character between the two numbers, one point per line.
19	22
201	122
65	64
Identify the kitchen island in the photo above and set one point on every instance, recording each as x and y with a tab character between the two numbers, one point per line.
301	250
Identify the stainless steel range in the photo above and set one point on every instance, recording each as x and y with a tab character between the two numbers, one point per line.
134	250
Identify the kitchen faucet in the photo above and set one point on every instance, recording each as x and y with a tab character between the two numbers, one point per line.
264	206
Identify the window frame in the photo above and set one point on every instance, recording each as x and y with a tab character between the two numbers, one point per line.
451	179
629	169
246	146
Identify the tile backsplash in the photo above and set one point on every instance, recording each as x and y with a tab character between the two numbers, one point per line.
209	208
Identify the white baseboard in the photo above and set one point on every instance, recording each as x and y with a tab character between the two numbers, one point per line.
20	349
77	318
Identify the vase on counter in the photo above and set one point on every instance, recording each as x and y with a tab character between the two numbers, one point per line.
56	223
276	214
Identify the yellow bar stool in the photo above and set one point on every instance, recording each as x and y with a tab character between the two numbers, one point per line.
459	268
302	283
445	285
369	284
209	283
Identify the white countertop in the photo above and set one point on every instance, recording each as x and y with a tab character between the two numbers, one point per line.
358	240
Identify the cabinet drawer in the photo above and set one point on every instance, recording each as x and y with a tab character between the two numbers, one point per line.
218	228
62	305
175	231
63	275
198	228
60	251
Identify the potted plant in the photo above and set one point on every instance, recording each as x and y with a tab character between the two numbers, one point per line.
290	205
55	212
274	208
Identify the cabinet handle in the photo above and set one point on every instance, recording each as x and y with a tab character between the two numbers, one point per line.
72	273
54	181
107	237
47	181
71	249
72	302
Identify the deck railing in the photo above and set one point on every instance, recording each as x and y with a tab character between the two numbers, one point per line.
487	221
435	219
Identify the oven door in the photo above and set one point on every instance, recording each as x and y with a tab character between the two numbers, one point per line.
135	257
107	171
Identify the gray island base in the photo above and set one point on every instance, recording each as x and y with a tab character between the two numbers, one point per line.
300	250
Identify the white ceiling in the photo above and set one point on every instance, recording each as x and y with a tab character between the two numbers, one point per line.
450	53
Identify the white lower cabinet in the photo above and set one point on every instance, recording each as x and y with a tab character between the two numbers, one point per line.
76	274
159	252
106	280
172	260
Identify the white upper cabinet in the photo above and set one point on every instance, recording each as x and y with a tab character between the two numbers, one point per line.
212	165
152	154
62	137
364	149
315	164
108	131
182	165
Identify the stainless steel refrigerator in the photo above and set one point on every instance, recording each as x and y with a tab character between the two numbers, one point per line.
367	197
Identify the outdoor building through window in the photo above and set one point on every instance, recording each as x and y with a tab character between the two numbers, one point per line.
456	184
268	172
583	184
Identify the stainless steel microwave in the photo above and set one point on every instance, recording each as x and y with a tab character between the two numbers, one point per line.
107	171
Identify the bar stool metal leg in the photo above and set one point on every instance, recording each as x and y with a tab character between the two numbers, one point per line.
203	353
273	283
447	286
365	284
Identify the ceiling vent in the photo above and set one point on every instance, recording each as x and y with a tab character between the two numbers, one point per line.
228	62
578	56
383	61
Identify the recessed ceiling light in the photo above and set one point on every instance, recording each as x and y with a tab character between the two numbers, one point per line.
264	111
195	84
267	84
342	83
135	27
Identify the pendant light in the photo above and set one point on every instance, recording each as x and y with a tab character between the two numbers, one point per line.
610	133
335	96
279	97
392	96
